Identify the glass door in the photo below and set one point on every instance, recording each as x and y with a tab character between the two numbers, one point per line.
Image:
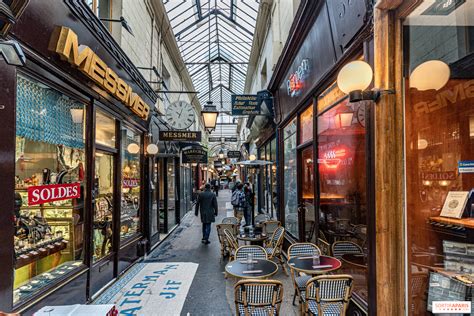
103	206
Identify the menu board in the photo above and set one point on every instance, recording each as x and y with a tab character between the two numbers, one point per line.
454	204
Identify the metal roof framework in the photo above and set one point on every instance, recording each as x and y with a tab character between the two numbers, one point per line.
215	40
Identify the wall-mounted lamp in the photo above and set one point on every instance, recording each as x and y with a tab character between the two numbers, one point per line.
252	157
151	149
209	115
77	115
122	21
354	78
430	75
12	53
133	148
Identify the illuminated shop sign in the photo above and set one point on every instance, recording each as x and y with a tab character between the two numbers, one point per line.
332	158
176	136
55	192
296	80
65	43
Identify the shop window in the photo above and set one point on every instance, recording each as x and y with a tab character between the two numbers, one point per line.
343	215
307	174
273	182
290	196
49	188
131	183
104	130
306	125
439	96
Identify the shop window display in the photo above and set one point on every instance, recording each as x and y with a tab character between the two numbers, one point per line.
49	189
342	185
131	181
171	187
439	122
290	197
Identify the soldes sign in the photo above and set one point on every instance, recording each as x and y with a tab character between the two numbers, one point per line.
54	192
128	183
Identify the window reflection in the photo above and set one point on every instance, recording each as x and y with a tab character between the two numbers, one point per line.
342	181
290	196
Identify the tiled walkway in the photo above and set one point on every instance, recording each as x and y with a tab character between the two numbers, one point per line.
210	293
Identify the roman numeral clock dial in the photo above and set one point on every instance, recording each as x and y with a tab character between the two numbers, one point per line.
180	115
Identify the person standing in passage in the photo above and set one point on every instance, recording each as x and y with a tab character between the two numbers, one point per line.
238	201
207	203
249	197
217	185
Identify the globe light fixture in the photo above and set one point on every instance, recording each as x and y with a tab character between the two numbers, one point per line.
133	148
354	78
152	149
430	75
252	157
209	116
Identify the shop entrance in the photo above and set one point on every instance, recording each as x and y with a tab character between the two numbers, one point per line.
103	254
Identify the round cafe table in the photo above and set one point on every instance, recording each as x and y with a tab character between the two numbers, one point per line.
255	240
305	264
241	269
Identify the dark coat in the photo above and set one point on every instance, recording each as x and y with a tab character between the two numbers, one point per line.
207	202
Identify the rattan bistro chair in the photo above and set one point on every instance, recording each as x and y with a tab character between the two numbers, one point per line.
232	242
226	248
270	226
258	297
340	248
297	250
230	220
274	246
257	252
327	295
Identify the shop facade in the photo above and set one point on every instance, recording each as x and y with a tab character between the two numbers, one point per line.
323	142
74	128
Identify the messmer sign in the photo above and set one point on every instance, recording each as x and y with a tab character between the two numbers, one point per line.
245	104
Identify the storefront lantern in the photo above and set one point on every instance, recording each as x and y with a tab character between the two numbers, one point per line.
12	53
209	115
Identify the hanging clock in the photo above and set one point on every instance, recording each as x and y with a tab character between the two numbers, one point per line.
180	115
361	114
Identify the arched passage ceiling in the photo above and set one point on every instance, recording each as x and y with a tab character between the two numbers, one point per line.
215	39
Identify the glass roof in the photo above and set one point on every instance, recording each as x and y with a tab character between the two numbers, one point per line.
215	39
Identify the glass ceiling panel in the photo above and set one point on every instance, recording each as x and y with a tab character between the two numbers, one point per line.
215	40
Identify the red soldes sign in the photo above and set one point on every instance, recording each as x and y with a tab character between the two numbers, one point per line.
128	183
53	192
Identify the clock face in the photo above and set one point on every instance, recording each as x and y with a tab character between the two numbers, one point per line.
361	114
180	115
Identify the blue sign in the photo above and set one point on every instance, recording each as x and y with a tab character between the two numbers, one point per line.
245	104
466	166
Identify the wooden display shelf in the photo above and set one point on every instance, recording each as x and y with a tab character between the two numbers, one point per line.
461	223
39	253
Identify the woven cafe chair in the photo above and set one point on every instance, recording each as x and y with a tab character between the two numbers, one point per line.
340	248
360	234
270	226
257	252
260	218
230	220
258	297
274	246
301	250
226	249
327	295
232	242
324	246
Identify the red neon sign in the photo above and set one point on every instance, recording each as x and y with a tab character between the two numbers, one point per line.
332	158
53	192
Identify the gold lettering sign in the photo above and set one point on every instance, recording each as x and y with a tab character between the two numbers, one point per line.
65	43
180	136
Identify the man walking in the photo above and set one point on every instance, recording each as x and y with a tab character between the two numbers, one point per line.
207	202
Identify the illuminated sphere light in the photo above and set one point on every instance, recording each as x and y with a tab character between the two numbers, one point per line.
432	74
422	143
356	75
152	149
252	157
133	148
